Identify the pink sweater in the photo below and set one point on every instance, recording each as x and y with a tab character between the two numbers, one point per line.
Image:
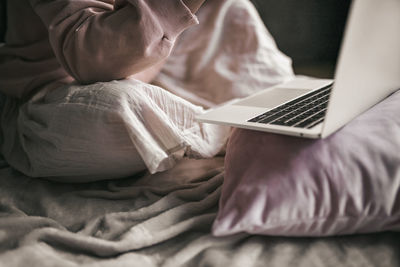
86	40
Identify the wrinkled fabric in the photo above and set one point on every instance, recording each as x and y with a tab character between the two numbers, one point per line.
155	220
233	56
106	130
112	129
347	183
89	41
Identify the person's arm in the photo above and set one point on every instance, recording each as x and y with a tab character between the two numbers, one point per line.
149	74
95	42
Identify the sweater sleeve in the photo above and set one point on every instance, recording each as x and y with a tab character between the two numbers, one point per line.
97	40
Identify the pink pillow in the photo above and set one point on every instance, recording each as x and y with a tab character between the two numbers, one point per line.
344	184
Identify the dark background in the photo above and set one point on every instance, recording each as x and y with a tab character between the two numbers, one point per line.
2	19
308	31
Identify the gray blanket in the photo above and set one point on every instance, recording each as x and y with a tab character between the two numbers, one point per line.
154	220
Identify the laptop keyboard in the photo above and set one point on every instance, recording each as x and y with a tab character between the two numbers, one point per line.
303	112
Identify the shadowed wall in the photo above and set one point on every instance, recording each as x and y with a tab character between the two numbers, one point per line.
2	19
309	31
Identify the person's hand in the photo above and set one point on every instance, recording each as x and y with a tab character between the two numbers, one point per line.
193	5
149	74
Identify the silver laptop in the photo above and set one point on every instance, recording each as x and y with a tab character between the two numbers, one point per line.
368	70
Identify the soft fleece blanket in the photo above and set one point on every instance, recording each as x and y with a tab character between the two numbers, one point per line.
154	220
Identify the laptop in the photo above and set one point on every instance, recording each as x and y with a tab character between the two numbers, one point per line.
368	71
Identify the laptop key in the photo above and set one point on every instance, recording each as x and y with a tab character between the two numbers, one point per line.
300	112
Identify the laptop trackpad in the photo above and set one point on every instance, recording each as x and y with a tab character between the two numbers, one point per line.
272	98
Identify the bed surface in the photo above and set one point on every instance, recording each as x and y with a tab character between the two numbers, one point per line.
154	220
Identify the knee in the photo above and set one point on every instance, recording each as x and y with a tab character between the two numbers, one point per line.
76	134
